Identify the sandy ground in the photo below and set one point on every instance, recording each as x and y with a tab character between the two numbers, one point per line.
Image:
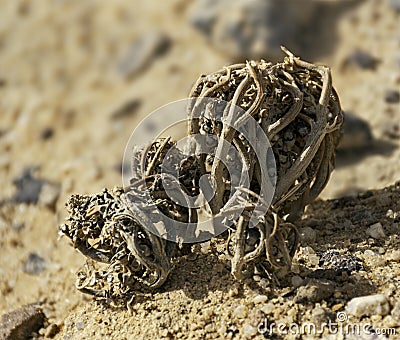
61	89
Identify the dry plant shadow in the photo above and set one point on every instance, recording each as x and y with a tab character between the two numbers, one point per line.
382	147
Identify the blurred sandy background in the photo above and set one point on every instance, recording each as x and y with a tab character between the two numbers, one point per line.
77	77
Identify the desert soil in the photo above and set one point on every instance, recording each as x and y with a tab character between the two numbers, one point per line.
68	107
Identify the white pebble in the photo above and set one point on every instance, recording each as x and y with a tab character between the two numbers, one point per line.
376	231
368	305
260	299
389	213
249	331
395	256
313	259
369	253
240	311
209	328
268	308
205	247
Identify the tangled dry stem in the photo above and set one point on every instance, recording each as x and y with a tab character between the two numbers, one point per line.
299	111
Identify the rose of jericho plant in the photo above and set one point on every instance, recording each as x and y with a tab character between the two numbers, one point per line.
299	111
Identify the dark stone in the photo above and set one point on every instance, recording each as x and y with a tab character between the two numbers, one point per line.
362	59
126	109
392	96
28	187
21	323
314	291
32	190
47	133
34	264
392	129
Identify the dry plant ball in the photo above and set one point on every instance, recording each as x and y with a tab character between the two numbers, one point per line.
298	110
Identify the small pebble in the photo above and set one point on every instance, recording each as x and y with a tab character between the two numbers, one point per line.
320	315
378	261
79	325
205	247
234	291
297	281
368	305
207	313
395	256
249	331
313	259
222	330
260	299
376	231
362	59
314	291
369	253
34	264
209	328
240	312
268	308
295	268
392	96
389	213
47	133
127	109
28	187
21	323
307	235
391	129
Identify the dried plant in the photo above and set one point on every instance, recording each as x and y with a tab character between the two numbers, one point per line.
298	110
